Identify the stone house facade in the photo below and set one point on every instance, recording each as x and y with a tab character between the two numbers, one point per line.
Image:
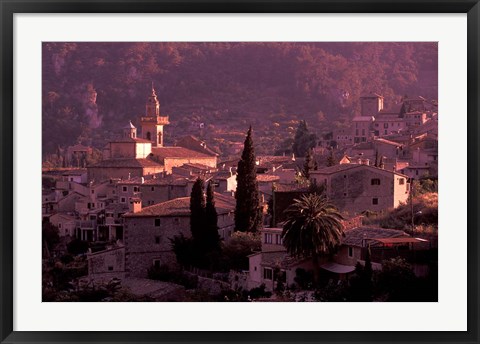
147	231
355	188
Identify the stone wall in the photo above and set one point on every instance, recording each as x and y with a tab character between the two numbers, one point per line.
146	242
107	262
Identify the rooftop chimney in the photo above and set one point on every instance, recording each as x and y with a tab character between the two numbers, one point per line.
135	205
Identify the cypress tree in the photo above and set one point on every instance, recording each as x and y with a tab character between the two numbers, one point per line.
197	211
331	161
247	210
212	239
303	140
308	165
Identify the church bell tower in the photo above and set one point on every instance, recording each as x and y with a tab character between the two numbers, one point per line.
152	123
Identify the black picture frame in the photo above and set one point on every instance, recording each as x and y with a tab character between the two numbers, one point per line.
10	7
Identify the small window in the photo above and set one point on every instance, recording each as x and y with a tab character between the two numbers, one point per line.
113	192
135	189
122	200
157	222
350	252
152	188
156	263
124	188
374	201
157	240
375	181
267	273
344	176
344	194
59	225
401	181
110	268
93	191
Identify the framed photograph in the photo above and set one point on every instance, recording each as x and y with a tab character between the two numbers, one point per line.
260	171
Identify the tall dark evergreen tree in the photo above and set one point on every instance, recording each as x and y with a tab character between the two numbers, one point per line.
308	165
197	211
331	160
248	215
303	140
212	239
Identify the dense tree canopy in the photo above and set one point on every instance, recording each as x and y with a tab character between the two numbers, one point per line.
91	88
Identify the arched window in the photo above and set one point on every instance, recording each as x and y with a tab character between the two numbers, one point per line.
149	136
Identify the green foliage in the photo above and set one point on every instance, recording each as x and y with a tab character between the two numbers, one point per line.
303	141
312	227
425	186
184	250
231	78
361	284
212	239
397	280
332	292
425	210
50	235
309	164
166	274
197	211
248	214
304	279
331	160
237	249
77	246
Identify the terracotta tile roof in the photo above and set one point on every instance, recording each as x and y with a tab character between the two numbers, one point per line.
168	180
181	207
363	145
388	142
177	152
193	143
345	167
265	178
77	172
356	236
290	188
127	163
129	139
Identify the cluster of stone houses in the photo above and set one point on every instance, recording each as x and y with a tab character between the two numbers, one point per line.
273	265
137	198
404	138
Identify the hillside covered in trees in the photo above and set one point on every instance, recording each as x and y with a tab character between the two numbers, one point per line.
215	90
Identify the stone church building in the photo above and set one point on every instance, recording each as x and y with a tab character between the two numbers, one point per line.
135	155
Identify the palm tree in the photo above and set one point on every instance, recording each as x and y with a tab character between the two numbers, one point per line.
313	227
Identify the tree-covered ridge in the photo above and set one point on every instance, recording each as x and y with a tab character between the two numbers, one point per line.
90	89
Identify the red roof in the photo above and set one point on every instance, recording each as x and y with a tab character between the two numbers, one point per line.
181	207
126	163
177	152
